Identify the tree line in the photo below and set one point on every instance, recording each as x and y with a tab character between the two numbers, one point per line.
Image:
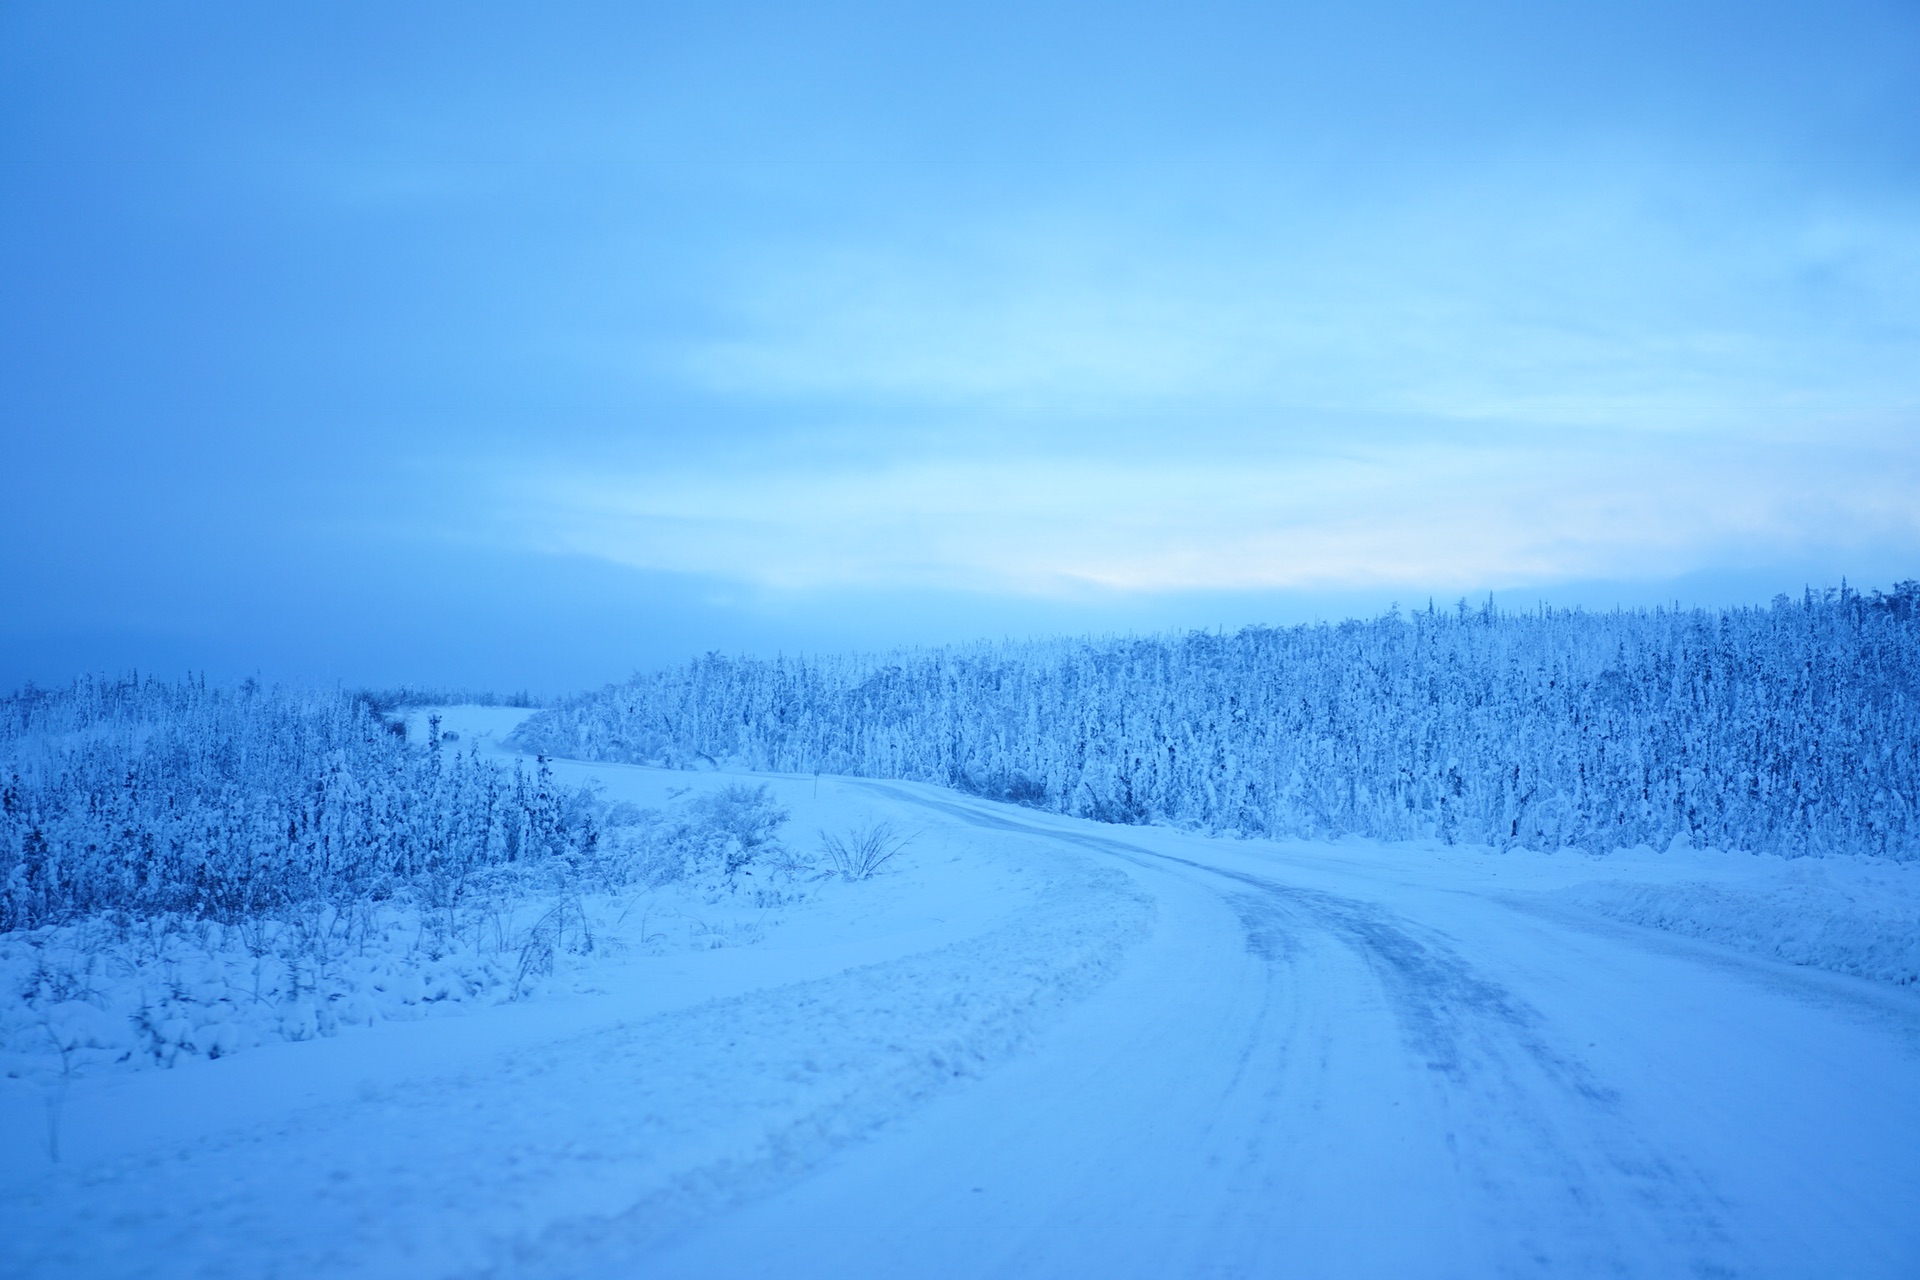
1790	728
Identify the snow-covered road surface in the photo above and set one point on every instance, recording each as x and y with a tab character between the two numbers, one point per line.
1318	1066
1051	1048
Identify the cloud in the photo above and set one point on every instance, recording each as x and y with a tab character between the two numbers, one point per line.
1595	289
1498	508
1605	363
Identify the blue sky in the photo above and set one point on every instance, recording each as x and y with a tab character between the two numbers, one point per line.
459	343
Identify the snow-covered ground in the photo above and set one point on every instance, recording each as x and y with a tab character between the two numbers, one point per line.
1038	1046
121	993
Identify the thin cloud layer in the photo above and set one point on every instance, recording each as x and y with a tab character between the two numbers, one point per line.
1497	512
1613	293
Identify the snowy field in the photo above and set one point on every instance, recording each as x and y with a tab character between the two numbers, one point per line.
1030	1045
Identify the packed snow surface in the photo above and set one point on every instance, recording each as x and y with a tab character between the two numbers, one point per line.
1035	1045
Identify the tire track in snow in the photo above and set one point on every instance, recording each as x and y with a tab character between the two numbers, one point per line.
1544	1157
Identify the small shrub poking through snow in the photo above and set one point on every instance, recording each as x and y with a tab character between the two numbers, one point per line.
861	852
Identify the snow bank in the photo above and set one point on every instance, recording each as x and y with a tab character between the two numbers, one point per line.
1856	919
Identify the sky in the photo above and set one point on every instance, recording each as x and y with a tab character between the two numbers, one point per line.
527	346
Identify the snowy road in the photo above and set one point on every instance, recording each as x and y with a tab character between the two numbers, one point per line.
1051	1048
1324	1068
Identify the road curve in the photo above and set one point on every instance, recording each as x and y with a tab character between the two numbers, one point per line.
1048	1048
1320	1067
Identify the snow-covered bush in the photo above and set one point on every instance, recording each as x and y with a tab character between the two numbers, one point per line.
742	825
721	836
1793	729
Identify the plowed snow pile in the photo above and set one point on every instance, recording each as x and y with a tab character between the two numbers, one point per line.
1857	916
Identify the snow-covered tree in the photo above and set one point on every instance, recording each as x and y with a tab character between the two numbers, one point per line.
1793	728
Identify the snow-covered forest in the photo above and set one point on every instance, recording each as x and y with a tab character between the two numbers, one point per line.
1793	728
148	797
